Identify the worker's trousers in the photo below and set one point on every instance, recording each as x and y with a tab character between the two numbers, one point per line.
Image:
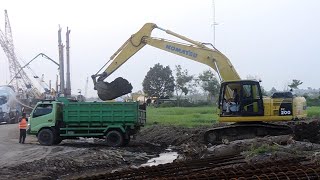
23	134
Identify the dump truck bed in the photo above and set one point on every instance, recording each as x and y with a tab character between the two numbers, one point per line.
100	113
94	119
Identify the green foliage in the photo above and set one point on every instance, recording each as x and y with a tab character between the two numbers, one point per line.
183	81
159	82
312	101
185	103
198	116
182	116
273	90
295	83
313	112
265	148
209	83
263	91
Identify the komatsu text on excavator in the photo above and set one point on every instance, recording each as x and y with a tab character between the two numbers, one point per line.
240	101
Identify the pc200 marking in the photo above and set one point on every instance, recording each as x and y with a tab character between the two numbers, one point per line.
285	112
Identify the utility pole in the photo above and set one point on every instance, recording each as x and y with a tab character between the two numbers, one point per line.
214	22
86	88
68	81
57	83
50	87
61	62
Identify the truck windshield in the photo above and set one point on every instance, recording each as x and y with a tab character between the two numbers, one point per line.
3	100
42	109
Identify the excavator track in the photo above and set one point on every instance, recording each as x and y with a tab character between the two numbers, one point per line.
244	130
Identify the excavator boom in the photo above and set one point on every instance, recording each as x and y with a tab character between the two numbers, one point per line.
191	49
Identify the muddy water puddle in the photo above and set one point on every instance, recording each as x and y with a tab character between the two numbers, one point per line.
164	158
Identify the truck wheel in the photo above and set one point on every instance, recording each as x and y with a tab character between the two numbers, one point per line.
114	138
57	140
46	137
126	141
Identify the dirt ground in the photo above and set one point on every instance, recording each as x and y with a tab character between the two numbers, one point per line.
71	157
83	157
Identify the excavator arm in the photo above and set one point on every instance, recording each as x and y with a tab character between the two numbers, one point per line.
191	50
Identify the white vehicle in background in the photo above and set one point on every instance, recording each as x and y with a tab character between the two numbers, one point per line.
9	108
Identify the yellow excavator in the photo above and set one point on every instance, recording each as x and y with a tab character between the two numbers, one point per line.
240	101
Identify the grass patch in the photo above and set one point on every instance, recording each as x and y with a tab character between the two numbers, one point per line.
313	112
195	116
182	116
265	148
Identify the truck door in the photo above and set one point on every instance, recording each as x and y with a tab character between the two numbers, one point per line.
42	116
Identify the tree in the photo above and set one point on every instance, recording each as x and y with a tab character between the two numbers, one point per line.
159	82
183	82
263	91
209	83
295	83
257	78
273	90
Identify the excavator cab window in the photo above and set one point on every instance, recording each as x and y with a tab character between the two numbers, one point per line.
241	98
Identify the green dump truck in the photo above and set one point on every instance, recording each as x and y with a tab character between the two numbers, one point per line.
116	122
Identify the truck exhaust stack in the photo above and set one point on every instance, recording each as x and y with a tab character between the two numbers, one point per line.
109	91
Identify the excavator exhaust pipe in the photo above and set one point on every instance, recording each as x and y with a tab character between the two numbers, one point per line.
109	91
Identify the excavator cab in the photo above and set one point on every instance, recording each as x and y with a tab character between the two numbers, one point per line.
241	98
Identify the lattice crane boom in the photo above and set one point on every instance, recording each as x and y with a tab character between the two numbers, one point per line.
22	82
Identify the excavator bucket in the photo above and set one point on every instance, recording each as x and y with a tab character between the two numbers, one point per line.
117	88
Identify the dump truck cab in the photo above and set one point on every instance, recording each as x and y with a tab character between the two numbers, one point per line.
46	114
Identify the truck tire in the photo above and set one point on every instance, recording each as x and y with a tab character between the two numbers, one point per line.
46	137
126	141
57	139
114	138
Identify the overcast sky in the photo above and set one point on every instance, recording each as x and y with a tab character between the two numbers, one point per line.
276	40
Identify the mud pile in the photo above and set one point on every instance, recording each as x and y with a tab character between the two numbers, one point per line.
307	131
74	158
230	167
267	151
82	160
171	135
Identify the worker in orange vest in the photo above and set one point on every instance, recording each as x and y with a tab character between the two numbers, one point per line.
23	124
